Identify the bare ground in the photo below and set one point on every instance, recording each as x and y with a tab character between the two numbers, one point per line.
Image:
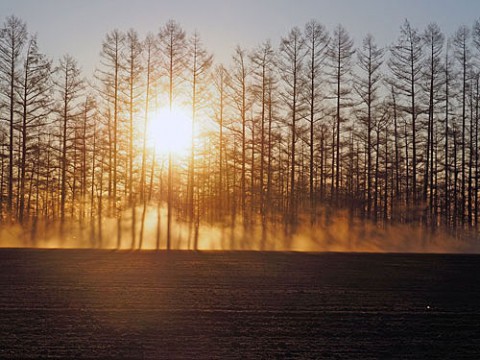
215	305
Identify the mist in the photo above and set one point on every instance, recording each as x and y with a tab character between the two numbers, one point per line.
338	233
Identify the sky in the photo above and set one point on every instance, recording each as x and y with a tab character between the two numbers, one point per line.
77	27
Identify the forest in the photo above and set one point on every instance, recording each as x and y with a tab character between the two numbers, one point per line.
310	134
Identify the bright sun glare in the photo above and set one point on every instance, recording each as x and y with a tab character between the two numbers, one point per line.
170	131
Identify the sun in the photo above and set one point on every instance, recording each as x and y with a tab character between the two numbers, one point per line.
169	131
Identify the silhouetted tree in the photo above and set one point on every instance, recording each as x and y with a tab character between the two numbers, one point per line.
239	84
434	41
462	55
110	77
367	85
173	46
316	42
292	54
13	37
199	65
35	100
405	66
277	135
263	66
220	80
69	84
340	53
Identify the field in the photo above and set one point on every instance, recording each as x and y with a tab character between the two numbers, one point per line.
216	305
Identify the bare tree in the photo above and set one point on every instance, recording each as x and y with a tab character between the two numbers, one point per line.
110	77
434	41
173	47
69	84
292	54
405	66
239	84
263	65
462	55
447	134
199	66
367	86
133	77
220	80
13	37
340	53
35	99
316	42
150	48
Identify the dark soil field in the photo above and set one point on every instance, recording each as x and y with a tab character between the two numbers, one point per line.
217	305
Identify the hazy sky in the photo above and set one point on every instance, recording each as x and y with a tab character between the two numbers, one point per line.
78	27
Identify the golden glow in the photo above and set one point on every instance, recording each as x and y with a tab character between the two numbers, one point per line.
170	131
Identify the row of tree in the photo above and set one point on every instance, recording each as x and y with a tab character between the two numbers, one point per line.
283	134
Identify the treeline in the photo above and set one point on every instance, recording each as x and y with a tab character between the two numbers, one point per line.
286	133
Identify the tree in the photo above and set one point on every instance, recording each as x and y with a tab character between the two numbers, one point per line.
172	46
85	144
35	100
367	86
220	80
150	54
263	66
151	78
476	43
199	66
447	134
13	37
405	64
316	42
434	41
69	84
133	77
110	77
274	135
462	55
340	53
239	84
292	54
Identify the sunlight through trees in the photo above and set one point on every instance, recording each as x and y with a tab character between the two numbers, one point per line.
292	134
